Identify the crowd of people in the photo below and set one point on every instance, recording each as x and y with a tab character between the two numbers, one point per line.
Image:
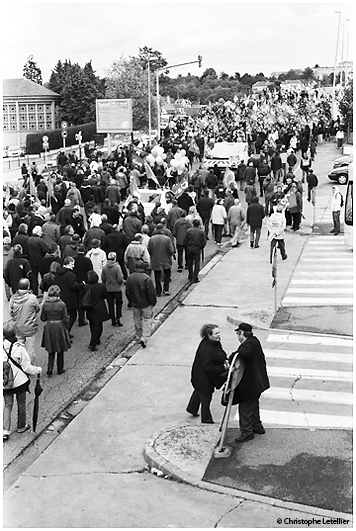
78	241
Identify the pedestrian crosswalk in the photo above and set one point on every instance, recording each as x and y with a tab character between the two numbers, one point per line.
311	381
323	276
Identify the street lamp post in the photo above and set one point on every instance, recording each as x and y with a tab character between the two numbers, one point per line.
158	71
335	63
149	101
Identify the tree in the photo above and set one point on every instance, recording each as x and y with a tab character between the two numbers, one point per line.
308	74
346	107
156	59
79	89
31	71
127	79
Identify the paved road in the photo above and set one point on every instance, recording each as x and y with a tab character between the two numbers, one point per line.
311	381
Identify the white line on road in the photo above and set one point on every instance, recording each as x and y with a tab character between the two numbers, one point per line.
330	274
320	290
313	374
317	301
307	420
309	356
327	282
307	395
310	340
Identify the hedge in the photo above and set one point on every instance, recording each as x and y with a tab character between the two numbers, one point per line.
34	140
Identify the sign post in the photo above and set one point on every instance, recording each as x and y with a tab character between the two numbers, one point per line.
78	138
64	133
45	146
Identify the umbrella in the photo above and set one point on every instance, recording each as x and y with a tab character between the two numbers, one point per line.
38	392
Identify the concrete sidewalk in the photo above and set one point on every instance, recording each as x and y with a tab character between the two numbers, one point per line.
94	473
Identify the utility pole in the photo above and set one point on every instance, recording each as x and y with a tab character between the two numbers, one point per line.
335	64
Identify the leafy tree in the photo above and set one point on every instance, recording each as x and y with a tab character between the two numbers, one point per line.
127	79
346	107
209	73
308	74
156	58
79	88
31	71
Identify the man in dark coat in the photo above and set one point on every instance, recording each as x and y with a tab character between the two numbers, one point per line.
82	266
140	292
254	216
161	251
195	241
116	242
65	279
16	268
185	201
253	382
37	249
204	207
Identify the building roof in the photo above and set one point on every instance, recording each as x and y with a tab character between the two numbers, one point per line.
24	88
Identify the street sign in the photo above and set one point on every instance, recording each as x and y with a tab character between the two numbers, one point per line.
45	138
64	134
45	145
78	137
64	125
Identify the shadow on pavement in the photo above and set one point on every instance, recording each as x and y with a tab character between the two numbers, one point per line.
319	475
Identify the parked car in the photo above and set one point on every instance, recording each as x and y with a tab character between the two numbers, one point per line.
343	161
341	174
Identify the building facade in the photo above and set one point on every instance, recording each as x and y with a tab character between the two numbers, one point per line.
27	108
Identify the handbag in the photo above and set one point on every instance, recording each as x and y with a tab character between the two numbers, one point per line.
87	300
220	379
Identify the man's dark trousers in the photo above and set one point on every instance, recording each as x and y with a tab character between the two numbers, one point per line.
249	415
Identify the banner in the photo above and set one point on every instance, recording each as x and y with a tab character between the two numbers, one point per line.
178	189
150	174
194	148
229	177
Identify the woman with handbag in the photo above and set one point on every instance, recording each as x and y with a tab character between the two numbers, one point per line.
17	363
55	338
209	371
96	309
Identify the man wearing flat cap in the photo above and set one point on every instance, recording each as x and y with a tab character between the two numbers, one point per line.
253	382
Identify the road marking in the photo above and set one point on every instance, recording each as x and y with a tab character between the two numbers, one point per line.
312	374
320	290
329	273
317	301
345	261
310	340
327	282
307	395
307	420
309	356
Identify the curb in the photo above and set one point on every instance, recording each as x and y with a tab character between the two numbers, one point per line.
170	471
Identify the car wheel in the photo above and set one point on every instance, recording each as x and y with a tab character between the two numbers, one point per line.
342	179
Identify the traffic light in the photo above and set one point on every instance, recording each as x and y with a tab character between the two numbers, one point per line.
200	58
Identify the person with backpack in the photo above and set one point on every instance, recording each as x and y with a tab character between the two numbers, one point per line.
337	202
16	368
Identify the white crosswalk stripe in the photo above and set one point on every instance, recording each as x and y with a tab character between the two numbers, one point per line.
323	276
311	383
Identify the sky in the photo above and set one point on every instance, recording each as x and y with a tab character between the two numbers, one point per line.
231	37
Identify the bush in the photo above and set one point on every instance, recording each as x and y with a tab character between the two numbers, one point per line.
34	140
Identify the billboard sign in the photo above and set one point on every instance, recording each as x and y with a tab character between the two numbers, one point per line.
114	116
